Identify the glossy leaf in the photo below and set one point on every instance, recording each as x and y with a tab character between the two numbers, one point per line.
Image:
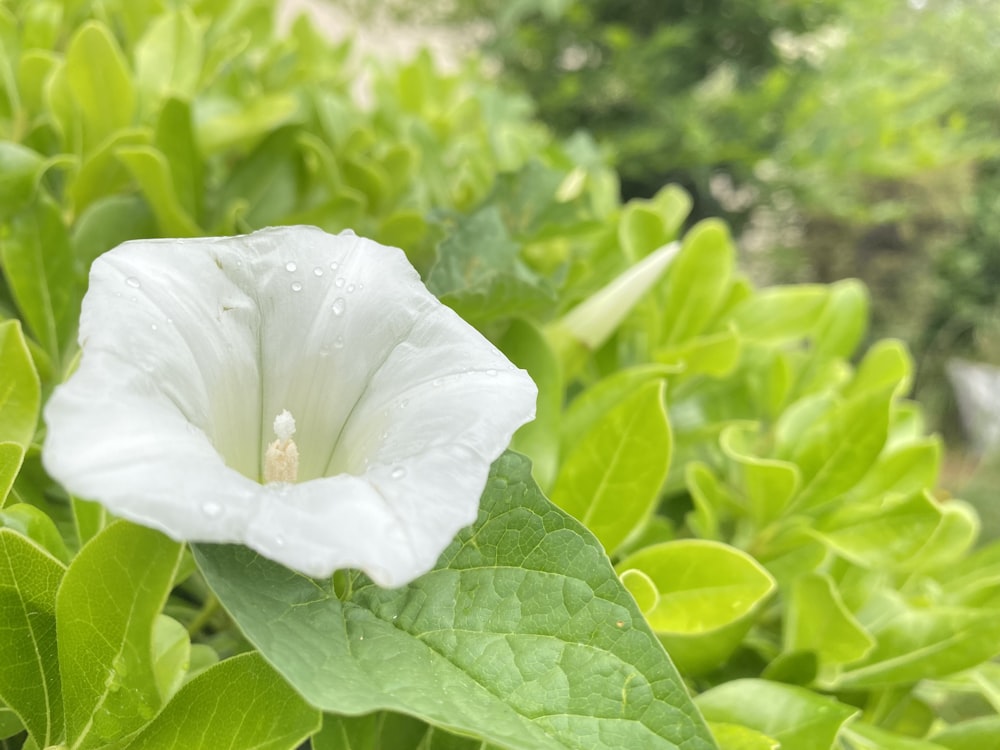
708	597
105	632
20	391
240	702
612	478
29	667
522	635
797	718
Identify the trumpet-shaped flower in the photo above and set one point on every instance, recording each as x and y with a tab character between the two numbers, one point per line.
298	392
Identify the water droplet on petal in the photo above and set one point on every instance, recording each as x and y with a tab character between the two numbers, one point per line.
348	233
290	266
339	282
339	342
398	473
350	288
279	540
154	327
133	282
317	271
296	286
404	403
438	382
170	320
339	305
211	510
334	266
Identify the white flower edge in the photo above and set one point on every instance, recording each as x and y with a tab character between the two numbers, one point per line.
191	348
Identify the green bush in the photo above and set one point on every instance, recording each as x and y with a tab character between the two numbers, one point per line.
766	495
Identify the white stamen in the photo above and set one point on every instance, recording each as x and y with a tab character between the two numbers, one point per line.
281	462
284	425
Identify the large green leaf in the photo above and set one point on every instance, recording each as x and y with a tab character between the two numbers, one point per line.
108	602
29	668
611	479
522	635
388	731
707	595
239	703
20	391
100	82
698	282
798	718
38	265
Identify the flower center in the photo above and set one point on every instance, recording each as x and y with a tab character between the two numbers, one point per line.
281	461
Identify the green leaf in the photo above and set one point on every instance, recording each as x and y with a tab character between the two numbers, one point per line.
388	731
171	655
838	449
100	82
38	266
150	168
883	534
817	620
168	58
175	140
735	737
226	124
240	702
101	173
37	526
29	668
105	632
844	321
522	635
864	736
709	595
479	274
611	479
919	642
698	282
886	364
10	723
974	734
20	391
781	313
594	403
11	458
797	718
108	222
527	348
20	170
768	484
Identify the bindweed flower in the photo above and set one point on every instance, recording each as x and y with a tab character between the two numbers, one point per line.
294	391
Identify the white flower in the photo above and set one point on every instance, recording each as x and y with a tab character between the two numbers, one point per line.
202	358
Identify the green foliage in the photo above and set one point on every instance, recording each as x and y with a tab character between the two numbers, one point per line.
522	634
765	494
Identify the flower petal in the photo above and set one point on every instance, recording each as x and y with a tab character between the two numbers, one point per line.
193	347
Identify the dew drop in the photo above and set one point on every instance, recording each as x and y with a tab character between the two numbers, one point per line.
438	382
398	473
133	282
154	327
350	288
339	305
404	403
170	320
339	282
290	266
338	342
296	286
348	233
334	266
211	510
279	540
317	271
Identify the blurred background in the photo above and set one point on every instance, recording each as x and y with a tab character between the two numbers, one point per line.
840	138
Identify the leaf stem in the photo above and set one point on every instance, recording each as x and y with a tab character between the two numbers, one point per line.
208	609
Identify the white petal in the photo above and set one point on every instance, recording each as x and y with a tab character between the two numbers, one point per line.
191	350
